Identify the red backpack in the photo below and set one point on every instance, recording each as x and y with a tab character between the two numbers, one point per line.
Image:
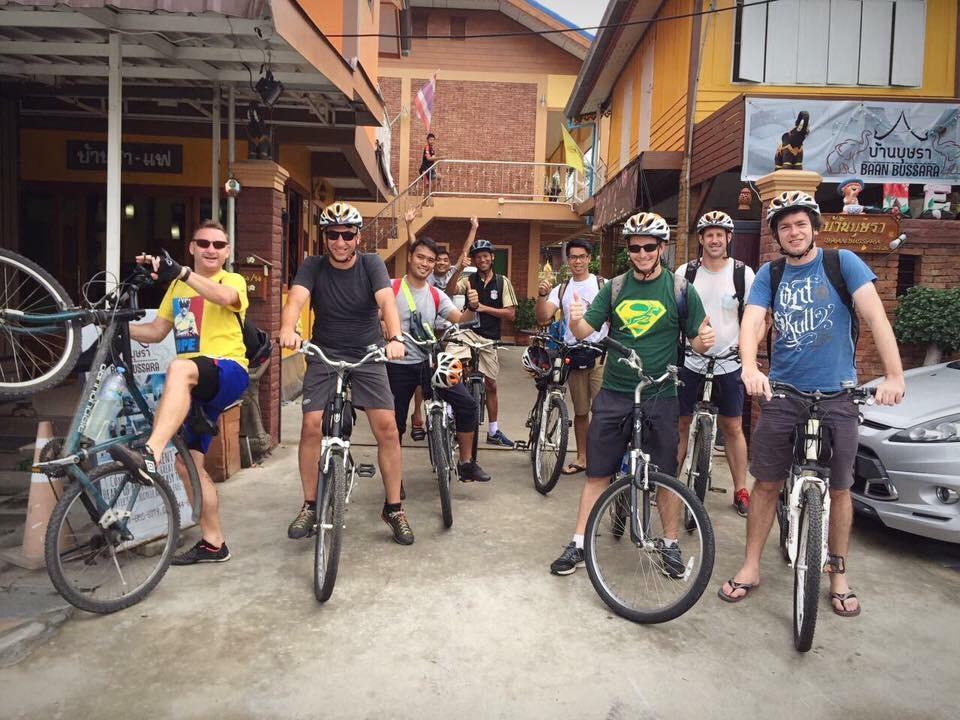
433	292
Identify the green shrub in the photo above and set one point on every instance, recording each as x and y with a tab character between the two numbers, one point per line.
526	318
929	316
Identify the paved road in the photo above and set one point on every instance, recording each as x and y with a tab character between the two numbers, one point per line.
469	623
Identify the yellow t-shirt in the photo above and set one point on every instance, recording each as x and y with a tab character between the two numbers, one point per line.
201	327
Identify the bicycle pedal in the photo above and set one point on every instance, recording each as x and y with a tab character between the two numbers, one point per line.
366	470
520	445
719	491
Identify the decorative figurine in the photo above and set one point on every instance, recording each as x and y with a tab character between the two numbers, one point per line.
935	203
896	199
790	150
259	142
744	198
850	191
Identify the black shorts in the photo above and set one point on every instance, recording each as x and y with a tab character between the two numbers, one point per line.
405	379
727	392
772	447
611	427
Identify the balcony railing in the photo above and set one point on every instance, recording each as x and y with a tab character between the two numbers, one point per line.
515	182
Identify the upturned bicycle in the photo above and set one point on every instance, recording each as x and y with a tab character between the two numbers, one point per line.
111	536
631	567
337	471
803	508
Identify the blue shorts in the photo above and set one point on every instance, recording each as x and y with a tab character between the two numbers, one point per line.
728	392
221	384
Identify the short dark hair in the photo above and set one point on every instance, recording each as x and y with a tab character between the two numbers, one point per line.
431	135
442	251
580	243
426	242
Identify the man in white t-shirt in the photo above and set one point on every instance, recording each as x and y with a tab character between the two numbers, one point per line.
722	284
584	383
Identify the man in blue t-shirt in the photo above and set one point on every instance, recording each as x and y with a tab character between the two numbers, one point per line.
814	350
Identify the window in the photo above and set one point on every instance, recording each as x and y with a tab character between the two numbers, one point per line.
420	17
458	27
830	42
907	267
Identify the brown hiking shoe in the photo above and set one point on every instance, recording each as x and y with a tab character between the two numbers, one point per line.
401	528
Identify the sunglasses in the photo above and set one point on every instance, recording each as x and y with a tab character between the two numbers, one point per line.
648	248
347	235
204	244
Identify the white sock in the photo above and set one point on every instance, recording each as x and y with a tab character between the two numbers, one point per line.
578	541
669	542
493	427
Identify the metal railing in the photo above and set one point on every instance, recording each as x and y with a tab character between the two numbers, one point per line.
514	182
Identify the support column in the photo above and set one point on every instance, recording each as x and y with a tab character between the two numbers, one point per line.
260	232
215	156
533	260
114	149
231	157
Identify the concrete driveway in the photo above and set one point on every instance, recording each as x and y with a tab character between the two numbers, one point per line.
468	622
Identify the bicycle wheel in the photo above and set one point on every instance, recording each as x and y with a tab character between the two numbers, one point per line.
479	402
192	483
634	578
331	505
33	357
104	570
550	449
807	569
783	520
438	438
698	474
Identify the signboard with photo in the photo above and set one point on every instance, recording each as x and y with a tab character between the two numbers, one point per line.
879	142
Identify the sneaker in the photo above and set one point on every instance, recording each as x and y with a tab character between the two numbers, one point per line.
472	472
570	559
741	501
498	438
672	562
202	552
401	528
304	524
139	463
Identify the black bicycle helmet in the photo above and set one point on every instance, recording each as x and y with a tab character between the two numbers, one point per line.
482	246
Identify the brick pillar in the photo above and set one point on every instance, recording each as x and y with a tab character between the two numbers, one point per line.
260	232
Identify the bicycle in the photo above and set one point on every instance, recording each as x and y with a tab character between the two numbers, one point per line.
804	504
548	419
337	472
475	380
441	433
703	432
633	575
105	516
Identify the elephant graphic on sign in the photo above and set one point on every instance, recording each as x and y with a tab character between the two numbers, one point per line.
950	152
842	160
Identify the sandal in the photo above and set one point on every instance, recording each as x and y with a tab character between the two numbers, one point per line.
734	586
843	597
417	431
573	468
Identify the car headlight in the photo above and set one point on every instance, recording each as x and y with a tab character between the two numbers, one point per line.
945	429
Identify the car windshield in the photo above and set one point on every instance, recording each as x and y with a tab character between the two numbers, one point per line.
955	365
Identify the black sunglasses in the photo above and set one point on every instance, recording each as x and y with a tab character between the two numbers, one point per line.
204	244
648	248
347	235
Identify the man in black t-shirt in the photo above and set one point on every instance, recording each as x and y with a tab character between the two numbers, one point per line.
348	291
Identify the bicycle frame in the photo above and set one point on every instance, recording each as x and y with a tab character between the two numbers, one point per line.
802	476
705	407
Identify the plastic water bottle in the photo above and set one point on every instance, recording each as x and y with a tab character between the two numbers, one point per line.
625	464
106	407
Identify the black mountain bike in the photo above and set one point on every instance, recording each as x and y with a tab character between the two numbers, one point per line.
337	472
110	537
629	564
803	509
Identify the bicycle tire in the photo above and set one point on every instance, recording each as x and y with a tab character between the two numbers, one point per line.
692	584
479	403
440	453
45	294
555	422
70	520
331	507
806	573
698	474
783	515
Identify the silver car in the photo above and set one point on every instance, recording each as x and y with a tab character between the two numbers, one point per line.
908	462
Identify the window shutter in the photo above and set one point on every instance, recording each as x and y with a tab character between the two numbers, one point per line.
909	26
876	26
753	45
842	60
782	23
813	32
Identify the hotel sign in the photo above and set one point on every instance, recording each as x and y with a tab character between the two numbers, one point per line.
860	233
135	157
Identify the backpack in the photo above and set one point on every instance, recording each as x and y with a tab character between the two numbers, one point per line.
680	288
739	281
565	283
434	293
831	266
256	342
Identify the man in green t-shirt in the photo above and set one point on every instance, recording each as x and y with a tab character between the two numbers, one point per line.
643	316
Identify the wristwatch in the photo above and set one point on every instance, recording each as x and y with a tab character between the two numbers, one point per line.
398	338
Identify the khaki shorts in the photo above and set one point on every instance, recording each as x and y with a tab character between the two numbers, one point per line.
489	359
584	386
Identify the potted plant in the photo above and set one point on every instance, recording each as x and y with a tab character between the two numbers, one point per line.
931	317
525	320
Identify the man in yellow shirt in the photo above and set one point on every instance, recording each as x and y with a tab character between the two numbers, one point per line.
204	306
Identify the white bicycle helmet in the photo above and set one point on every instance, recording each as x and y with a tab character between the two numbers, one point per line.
449	371
790	200
717	219
536	360
647	223
341	213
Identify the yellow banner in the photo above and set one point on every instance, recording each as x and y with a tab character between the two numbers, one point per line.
571	151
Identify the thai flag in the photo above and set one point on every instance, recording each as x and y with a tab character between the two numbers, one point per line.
423	103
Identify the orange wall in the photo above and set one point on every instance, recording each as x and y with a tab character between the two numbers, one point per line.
328	15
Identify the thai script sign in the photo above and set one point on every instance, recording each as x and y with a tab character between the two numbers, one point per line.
860	233
879	142
135	157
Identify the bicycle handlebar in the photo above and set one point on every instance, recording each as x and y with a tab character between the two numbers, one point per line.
859	395
632	360
374	355
733	352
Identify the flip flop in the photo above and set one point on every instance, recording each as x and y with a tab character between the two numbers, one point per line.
573	468
843	597
734	586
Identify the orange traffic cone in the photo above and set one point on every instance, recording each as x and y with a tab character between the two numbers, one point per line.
39	506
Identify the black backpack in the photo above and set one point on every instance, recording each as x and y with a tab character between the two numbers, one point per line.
739	281
831	266
256	342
